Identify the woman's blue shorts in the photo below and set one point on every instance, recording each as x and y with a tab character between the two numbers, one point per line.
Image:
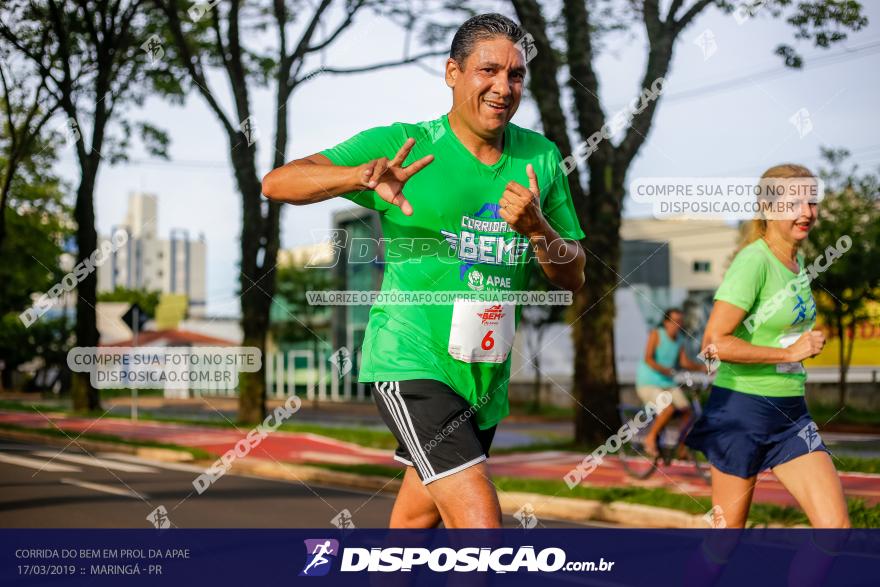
743	434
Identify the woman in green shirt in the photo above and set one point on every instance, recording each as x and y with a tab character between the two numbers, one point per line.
760	329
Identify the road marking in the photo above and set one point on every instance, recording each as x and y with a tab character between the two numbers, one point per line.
96	462
162	465
22	447
105	488
38	464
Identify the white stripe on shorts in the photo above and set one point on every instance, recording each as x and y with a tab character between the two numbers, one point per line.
412	428
394	410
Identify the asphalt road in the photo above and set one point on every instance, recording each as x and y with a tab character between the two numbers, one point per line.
42	486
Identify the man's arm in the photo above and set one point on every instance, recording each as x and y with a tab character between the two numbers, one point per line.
562	260
312	179
315	179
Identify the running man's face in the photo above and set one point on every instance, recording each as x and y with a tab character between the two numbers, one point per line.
487	87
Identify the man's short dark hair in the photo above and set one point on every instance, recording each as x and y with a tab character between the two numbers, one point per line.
667	314
482	27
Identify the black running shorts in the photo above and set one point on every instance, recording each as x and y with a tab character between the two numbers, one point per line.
436	429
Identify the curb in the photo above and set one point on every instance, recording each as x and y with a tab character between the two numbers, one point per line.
557	508
588	510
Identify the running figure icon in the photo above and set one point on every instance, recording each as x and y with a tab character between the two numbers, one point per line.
319	557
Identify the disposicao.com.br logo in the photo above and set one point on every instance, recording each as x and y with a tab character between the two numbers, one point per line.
443	559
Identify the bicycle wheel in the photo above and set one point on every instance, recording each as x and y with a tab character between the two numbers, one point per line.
635	461
701	465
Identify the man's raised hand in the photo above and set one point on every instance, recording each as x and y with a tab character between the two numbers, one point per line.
387	178
521	206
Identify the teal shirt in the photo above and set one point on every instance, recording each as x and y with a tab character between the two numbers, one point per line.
666	354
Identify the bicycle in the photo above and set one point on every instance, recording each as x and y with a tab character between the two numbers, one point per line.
670	441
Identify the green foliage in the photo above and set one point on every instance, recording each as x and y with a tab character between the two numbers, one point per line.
293	318
31	253
848	211
36	215
48	338
147	300
36	224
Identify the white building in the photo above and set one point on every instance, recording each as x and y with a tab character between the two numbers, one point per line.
314	255
175	265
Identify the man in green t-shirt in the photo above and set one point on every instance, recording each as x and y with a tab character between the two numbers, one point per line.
466	201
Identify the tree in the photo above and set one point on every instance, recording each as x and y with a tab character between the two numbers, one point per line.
302	321
94	57
36	226
536	319
851	280
599	200
209	35
26	110
147	300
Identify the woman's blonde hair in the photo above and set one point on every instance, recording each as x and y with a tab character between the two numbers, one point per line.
757	227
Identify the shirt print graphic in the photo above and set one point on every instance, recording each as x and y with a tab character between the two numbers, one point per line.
481	240
804	310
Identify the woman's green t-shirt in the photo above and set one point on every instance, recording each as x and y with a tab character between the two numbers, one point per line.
779	308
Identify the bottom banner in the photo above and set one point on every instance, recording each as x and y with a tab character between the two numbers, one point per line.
602	557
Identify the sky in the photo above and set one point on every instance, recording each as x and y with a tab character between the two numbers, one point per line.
725	112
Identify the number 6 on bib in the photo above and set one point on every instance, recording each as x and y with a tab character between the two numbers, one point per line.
481	332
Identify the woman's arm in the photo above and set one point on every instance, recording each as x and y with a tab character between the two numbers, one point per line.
723	321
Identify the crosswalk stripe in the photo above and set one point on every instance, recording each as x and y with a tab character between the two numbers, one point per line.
104	488
40	465
119	456
96	462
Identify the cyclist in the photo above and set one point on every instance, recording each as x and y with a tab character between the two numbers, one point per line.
664	353
479	192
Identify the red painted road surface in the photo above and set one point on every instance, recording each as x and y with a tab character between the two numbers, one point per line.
304	448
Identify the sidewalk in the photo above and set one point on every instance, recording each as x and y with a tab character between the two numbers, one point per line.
302	448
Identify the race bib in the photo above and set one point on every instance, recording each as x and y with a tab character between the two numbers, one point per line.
481	332
786	340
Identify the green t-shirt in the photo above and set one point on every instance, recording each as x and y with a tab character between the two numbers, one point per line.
455	241
779	306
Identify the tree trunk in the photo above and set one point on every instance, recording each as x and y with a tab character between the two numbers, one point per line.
256	279
316	403
4	195
536	364
595	373
845	356
841	385
85	396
